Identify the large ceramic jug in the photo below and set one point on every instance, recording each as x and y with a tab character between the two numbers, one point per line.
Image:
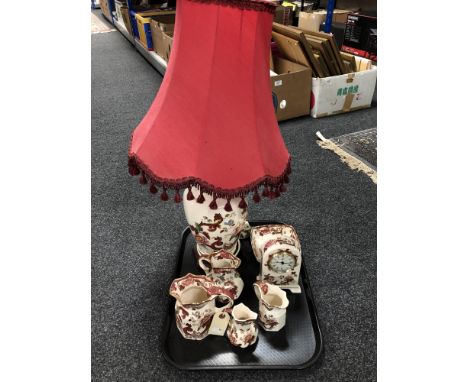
195	305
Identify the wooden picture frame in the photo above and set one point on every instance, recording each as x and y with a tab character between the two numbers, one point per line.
321	46
301	38
322	62
350	60
291	49
333	45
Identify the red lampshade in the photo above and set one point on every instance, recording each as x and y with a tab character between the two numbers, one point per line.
212	124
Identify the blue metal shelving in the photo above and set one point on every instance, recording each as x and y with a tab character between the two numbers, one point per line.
154	59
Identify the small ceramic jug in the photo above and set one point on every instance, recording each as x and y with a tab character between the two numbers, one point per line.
272	306
222	267
195	305
242	329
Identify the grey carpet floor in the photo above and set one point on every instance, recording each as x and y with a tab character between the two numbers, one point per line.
135	237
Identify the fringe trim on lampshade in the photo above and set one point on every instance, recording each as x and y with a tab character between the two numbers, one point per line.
352	162
253	5
272	186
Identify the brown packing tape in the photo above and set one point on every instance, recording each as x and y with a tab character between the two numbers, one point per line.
351	109
350	78
348	101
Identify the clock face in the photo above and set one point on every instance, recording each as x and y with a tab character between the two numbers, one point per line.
281	262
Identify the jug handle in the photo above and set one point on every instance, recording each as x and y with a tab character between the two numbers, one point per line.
228	305
202	263
257	291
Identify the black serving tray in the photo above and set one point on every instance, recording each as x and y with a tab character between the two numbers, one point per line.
297	346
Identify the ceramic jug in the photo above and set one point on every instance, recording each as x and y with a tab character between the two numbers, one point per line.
222	267
214	229
272	306
242	329
195	304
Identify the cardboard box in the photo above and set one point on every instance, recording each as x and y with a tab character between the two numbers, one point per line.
143	20
165	51
312	20
340	16
162	31
290	89
126	19
105	9
344	93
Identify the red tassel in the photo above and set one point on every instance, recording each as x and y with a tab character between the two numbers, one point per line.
213	204
265	192
143	179
164	195
277	192
242	204
286	179
177	197
271	194
256	197
190	195
282	188
228	207
153	189
133	170
201	198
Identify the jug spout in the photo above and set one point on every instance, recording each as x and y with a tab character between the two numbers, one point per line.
242	313
195	305
271	295
191	289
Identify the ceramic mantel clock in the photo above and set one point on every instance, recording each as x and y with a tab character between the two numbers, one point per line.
277	249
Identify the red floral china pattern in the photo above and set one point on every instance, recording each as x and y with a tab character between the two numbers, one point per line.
242	328
193	319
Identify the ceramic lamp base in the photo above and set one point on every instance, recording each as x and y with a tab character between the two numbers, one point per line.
214	229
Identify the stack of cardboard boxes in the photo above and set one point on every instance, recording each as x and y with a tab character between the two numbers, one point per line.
137	21
337	82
